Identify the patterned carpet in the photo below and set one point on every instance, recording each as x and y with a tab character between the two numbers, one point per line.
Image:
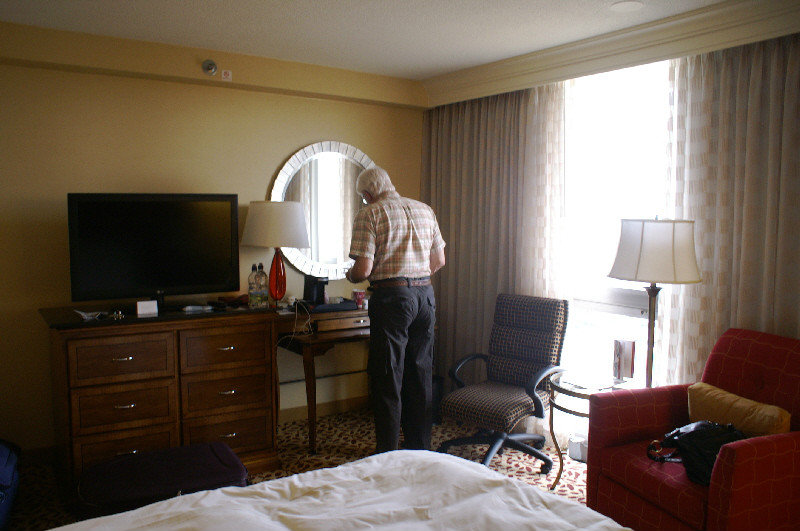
341	438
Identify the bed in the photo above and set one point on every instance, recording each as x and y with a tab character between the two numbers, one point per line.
401	490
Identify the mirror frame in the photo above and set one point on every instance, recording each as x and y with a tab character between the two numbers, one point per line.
281	183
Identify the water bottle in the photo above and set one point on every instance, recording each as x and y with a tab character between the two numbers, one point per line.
262	287
251	288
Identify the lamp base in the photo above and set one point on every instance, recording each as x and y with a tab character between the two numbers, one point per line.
277	276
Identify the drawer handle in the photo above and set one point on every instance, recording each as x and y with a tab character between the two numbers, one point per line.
231	392
126	358
228	436
226	348
360	321
126	406
127	453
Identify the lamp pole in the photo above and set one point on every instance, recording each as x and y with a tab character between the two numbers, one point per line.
652	293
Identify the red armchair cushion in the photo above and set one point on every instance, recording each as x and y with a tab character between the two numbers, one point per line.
663	484
761	367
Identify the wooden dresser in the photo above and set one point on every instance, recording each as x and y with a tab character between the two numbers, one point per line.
141	384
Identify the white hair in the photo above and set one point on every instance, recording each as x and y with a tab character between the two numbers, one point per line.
374	180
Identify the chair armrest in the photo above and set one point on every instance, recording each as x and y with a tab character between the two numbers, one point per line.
463	361
534	382
755	484
629	415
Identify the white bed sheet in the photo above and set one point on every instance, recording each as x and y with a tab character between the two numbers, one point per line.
401	490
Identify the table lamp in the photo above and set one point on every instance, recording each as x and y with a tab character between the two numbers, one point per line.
655	251
276	224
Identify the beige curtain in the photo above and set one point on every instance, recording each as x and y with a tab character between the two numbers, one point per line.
491	172
540	232
734	170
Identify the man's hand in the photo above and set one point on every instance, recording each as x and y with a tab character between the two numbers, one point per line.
360	270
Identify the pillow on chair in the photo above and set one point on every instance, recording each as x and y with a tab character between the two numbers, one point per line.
707	402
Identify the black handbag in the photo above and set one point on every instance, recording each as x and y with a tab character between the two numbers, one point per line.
696	445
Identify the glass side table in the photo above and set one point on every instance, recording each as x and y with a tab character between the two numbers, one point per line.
561	385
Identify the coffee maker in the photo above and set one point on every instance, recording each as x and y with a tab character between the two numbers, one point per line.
314	289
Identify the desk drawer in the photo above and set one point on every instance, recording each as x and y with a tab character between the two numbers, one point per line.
325	325
223	392
106	446
243	432
121	358
113	407
223	347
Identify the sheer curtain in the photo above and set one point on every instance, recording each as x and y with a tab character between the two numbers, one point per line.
299	190
350	201
491	172
734	170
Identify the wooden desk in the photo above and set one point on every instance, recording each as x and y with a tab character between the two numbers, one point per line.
330	329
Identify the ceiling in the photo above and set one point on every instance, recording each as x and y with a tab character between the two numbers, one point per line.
412	39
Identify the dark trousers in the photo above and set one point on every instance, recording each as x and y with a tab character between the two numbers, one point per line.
400	365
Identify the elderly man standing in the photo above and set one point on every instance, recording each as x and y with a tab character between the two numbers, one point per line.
397	245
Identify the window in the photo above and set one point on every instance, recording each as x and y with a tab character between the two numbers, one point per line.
328	220
615	167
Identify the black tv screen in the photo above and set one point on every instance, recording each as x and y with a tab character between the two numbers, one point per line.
151	245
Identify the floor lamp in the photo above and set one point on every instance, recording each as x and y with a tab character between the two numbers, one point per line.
655	251
276	224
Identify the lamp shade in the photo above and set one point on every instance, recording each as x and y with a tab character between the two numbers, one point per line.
656	251
275	224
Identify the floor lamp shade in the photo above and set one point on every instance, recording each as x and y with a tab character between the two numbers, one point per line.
655	251
276	224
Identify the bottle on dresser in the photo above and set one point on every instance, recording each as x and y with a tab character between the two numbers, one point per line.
251	287
261	288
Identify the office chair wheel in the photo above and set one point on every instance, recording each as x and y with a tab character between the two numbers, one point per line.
546	467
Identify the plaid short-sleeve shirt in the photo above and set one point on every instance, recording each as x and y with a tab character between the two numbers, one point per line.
398	235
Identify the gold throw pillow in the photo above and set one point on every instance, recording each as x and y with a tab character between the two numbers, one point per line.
752	418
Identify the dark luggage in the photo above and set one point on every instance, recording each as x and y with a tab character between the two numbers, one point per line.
9	479
131	481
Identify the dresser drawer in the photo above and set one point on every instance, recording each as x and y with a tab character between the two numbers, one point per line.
243	432
93	449
121	358
223	347
222	392
115	407
325	325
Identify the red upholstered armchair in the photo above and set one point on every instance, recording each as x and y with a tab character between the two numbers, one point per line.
755	483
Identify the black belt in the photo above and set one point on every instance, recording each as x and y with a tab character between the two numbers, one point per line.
401	282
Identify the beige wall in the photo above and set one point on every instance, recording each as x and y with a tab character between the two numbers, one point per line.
83	130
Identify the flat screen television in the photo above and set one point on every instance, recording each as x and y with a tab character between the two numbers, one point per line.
151	245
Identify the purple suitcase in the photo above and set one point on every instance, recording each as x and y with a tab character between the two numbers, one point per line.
131	481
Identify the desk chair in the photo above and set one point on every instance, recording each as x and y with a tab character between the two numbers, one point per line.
524	348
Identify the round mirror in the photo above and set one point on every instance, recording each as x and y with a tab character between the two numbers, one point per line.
322	177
